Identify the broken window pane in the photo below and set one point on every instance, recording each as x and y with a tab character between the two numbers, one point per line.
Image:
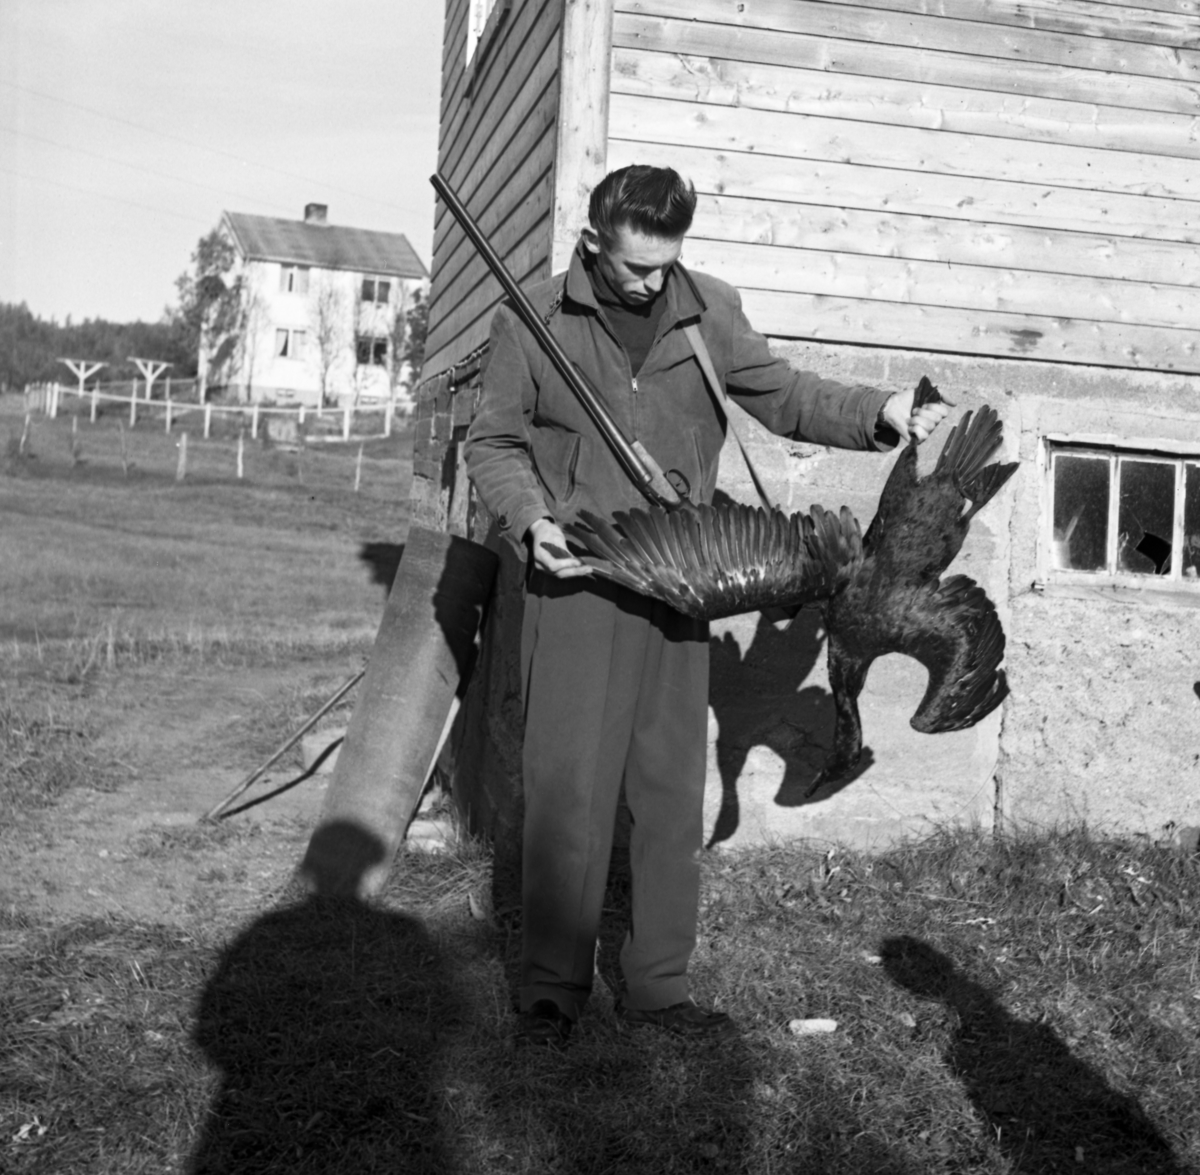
1191	522
379	352
1145	516
1080	512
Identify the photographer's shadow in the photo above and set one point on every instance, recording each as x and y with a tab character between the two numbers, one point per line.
323	1018
1046	1109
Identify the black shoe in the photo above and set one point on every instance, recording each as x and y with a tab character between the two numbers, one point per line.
544	1023
684	1019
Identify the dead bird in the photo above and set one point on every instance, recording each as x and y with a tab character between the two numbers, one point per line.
879	594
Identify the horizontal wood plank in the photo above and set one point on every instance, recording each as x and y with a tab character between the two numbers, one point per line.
941	284
970	332
813	138
844	185
1081	18
932	33
837	56
756	85
923	238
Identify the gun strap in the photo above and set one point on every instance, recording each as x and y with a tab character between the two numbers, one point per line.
718	394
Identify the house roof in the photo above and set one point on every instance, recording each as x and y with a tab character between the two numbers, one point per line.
326	246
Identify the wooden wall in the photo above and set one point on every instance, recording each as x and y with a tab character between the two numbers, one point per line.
975	176
496	149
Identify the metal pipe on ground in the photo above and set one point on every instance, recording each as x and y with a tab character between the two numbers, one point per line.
422	654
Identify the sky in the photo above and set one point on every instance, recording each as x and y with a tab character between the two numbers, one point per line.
128	126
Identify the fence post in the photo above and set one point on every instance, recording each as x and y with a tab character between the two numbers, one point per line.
358	469
133	405
95	399
300	418
346	423
181	468
54	401
241	469
388	413
168	428
254	423
207	420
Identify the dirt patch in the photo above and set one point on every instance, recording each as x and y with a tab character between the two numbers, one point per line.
181	743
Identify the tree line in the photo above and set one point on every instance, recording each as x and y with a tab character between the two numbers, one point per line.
30	346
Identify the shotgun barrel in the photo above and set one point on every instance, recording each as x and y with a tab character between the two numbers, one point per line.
645	472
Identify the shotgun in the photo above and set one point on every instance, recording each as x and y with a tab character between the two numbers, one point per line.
645	472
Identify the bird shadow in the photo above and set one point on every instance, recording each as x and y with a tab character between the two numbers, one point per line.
759	699
1046	1109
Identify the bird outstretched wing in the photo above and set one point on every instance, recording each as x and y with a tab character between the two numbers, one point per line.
714	561
952	628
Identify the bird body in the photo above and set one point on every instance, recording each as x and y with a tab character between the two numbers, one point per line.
880	593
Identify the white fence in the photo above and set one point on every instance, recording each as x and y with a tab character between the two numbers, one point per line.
300	424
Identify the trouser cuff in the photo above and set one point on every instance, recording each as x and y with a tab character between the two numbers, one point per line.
569	1002
657	995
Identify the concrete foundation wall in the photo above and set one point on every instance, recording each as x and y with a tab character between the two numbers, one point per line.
1099	724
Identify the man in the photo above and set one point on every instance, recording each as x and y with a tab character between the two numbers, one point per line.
616	684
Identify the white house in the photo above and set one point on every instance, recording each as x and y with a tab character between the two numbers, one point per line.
321	315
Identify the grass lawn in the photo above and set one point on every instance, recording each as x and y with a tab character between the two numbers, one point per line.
1028	1003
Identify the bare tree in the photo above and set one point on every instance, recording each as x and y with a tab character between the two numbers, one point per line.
253	316
327	314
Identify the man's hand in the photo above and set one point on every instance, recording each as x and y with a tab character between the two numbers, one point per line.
898	415
549	546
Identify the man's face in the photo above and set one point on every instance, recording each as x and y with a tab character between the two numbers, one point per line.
635	265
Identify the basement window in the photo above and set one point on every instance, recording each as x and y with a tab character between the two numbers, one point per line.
376	291
370	351
293	279
1121	516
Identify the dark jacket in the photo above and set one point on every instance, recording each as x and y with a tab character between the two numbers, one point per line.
533	452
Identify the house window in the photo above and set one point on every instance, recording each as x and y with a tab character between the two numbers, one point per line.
289	344
371	351
1125	514
293	279
376	291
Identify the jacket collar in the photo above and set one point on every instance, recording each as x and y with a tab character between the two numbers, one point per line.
683	299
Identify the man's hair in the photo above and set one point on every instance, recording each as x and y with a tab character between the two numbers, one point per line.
651	200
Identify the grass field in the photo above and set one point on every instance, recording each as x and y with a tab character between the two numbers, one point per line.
1025	1004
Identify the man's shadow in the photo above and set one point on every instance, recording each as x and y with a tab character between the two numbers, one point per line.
326	1020
1039	1102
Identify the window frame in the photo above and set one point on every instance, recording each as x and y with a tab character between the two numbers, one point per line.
375	282
295	343
374	342
300	274
1181	454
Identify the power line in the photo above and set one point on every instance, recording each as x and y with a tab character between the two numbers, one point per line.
39	179
205	147
138	167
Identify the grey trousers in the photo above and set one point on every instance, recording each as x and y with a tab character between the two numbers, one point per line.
615	689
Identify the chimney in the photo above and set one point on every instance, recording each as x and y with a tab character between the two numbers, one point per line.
316	213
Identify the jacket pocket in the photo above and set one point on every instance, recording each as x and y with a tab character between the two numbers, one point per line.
557	457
